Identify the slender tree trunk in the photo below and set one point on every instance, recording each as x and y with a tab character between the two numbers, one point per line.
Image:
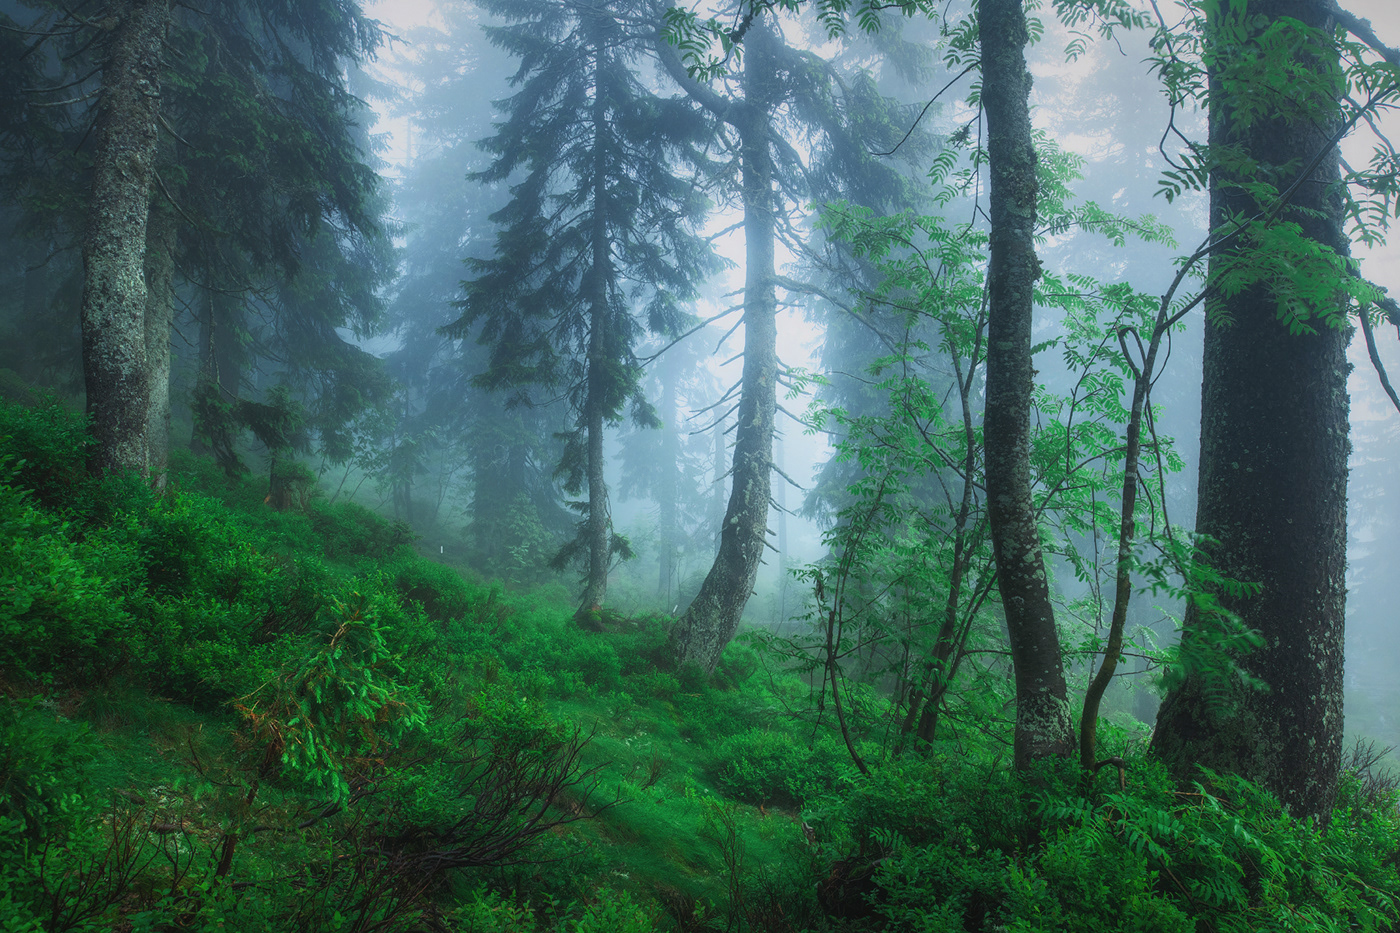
780	504
1273	481
598	533
115	365
599	525
713	617
717	502
1043	725
160	317
668	488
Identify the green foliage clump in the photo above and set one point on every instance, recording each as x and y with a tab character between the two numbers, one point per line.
763	765
42	761
335	706
348	530
964	847
609	912
63	594
440	591
49	445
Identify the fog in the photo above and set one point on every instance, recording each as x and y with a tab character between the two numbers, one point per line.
470	460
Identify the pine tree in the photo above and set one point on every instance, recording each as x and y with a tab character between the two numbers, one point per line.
782	91
599	223
115	362
251	166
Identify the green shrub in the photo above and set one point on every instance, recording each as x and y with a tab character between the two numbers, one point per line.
488	912
441	591
970	848
594	659
738	663
42	764
49	445
348	529
336	705
613	912
183	540
772	766
63	597
646	647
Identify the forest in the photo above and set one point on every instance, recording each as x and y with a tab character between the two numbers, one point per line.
809	466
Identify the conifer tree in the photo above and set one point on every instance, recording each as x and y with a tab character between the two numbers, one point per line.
1274	412
782	92
253	168
601	222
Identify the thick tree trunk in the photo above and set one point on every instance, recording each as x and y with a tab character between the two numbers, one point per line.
115	365
160	317
1273	482
1042	711
713	617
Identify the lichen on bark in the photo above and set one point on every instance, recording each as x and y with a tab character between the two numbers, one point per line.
115	361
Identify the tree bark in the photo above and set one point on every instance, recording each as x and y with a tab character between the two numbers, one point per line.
1043	725
713	617
160	318
115	366
719	499
1273	479
598	532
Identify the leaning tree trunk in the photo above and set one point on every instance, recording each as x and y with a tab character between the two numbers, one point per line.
115	366
1273	477
1042	710
713	617
160	318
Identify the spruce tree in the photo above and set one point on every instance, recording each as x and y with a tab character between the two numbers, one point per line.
601	225
1274	414
252	167
782	94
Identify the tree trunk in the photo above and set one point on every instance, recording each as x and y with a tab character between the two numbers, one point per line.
601	359
668	487
115	365
718	500
1273	481
1042	711
713	617
780	504
160	318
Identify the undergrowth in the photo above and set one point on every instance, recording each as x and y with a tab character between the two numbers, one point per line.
221	716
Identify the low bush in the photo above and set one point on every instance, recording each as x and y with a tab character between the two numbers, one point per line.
63	595
348	530
441	592
48	445
958	847
42	763
763	766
